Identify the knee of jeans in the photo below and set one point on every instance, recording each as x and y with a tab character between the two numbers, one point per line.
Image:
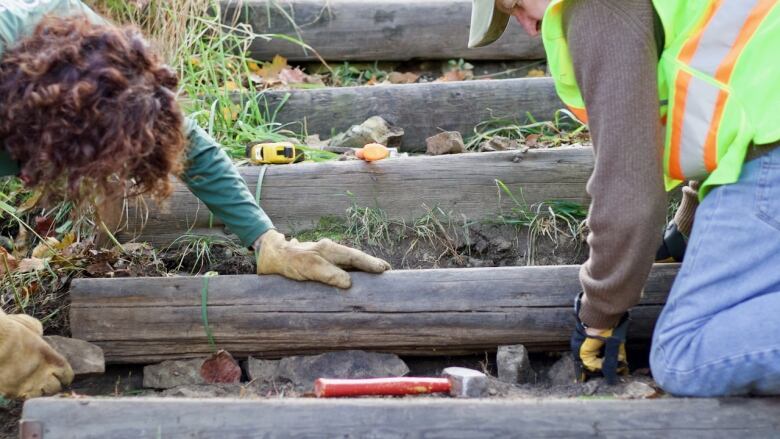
666	378
671	372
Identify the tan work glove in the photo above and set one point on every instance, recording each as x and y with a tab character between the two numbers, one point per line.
318	261
29	367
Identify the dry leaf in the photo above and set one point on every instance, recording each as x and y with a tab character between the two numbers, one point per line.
536	73
66	242
30	202
27	265
21	246
457	75
44	226
46	249
531	140
253	67
231	112
295	76
231	86
221	367
270	71
402	78
292	76
100	269
7	261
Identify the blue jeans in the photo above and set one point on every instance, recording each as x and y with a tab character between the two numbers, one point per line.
719	333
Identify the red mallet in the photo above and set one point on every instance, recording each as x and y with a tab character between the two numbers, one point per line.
459	382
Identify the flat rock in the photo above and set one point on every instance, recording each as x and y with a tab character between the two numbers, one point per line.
498	143
448	142
262	370
563	372
85	358
301	371
373	130
514	365
174	373
638	390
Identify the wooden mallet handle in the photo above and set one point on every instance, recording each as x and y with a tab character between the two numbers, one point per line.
329	387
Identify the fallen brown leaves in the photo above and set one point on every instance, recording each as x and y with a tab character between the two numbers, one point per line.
278	73
221	367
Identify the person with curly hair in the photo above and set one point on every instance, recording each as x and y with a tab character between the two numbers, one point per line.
88	110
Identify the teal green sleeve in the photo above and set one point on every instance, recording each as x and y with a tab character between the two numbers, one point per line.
212	177
18	18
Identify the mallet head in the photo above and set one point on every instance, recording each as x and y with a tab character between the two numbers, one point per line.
466	383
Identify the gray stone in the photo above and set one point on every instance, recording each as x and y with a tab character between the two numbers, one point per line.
591	387
84	357
474	262
466	383
262	370
173	373
498	143
500	244
301	371
373	130
448	142
638	390
563	372
514	366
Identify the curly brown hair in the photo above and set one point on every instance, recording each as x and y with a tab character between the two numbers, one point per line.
92	107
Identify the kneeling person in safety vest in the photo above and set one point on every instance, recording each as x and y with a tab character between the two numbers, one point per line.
673	90
88	110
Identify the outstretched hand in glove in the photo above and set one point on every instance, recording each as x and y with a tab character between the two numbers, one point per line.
322	261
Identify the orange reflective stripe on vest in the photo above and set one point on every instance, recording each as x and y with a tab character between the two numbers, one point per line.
699	104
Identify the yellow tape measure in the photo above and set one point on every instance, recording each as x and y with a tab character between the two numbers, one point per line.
277	153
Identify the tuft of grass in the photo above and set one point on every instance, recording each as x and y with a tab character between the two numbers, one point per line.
199	247
437	228
368	224
551	219
564	129
333	228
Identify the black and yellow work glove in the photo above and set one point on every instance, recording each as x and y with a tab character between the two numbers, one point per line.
322	261
599	355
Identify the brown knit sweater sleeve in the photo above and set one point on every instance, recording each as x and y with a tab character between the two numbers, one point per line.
615	57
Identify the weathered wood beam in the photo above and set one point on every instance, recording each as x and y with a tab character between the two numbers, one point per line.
297	196
422	110
140	418
384	30
427	312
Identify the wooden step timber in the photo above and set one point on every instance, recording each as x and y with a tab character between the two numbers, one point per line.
422	110
142	418
297	196
420	312
373	30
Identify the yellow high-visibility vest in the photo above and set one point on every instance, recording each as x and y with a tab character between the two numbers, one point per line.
718	80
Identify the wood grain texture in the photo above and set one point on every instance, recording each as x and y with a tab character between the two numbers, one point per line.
426	312
422	110
140	418
295	197
384	30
